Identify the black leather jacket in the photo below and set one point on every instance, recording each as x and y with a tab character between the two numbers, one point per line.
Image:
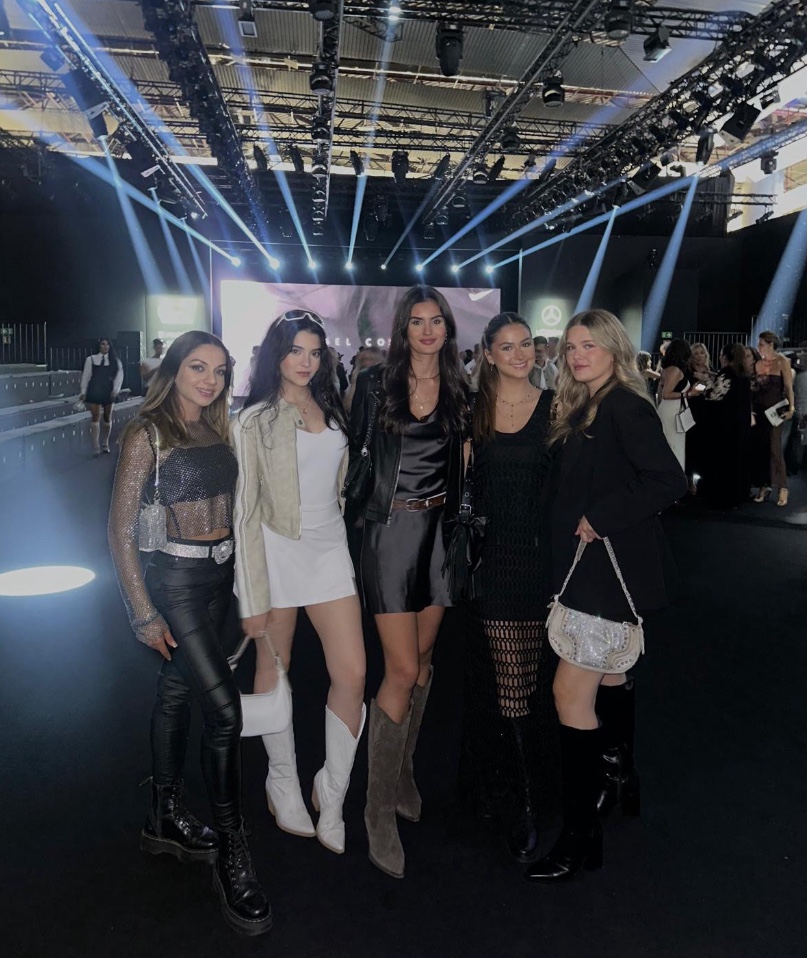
385	453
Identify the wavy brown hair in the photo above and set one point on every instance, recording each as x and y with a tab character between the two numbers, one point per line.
452	398
161	406
485	407
575	409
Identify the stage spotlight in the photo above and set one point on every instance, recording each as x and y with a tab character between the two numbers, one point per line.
260	158
489	269
643	178
317	228
274	262
656	46
739	125
510	139
496	169
321	80
679	120
194	215
419	267
442	167
765	217
449	48
312	264
429	231
349	265
553	92
383	266
236	261
323	10
480	174
296	159
246	19
442	218
455	268
619	20
769	99
394	12
667	158
458	201
733	215
53	58
357	164
400	165
704	150
320	130
768	163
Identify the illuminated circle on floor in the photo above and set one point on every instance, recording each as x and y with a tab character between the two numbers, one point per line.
44	580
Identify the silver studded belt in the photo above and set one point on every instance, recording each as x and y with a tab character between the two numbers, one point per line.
219	551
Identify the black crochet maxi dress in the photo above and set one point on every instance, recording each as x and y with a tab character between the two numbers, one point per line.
508	666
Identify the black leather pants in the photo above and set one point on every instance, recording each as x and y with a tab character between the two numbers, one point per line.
193	596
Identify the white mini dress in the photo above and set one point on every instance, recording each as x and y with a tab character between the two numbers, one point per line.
316	567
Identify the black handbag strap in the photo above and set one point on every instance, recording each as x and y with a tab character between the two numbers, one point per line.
467	499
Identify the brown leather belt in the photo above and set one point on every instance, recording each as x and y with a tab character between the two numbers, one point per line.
420	505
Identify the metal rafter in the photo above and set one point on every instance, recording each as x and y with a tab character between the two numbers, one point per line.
323	121
78	54
539	16
180	47
779	30
547	61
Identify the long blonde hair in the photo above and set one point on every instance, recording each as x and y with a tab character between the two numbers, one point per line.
575	410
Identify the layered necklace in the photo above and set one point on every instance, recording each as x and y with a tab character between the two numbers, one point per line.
414	394
531	392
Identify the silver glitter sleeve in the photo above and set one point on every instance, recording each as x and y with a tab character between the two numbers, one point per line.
135	465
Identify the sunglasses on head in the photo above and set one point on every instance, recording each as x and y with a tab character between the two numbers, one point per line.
295	315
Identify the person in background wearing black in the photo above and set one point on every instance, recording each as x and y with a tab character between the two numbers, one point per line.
508	713
612	474
726	418
772	383
101	381
179	608
420	404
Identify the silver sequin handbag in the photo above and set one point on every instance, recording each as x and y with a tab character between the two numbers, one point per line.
590	641
152	516
265	713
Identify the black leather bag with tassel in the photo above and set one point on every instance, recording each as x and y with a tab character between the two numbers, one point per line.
464	552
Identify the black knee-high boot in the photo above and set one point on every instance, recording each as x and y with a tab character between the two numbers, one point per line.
620	784
581	841
523	838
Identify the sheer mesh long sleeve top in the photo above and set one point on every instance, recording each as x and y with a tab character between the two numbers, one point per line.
197	485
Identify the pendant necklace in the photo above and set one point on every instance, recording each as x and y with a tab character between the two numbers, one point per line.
302	411
529	395
414	393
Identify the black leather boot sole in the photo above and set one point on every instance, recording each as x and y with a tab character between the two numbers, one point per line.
246	926
154	845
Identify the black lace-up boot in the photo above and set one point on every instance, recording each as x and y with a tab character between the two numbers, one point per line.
171	829
242	900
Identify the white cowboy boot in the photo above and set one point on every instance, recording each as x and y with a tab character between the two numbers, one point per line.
331	782
283	786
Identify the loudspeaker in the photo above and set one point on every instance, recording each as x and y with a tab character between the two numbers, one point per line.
739	125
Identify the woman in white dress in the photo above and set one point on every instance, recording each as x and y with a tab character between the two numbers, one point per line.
674	383
291	552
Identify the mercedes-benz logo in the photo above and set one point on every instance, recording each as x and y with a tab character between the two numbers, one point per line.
551	315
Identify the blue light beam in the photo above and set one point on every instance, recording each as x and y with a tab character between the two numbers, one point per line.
652	313
588	292
779	302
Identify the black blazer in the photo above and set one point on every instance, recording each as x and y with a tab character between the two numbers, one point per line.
620	479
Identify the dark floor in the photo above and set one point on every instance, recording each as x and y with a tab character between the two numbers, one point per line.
714	869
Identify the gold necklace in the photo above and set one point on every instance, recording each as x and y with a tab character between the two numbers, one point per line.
529	395
421	379
414	394
303	410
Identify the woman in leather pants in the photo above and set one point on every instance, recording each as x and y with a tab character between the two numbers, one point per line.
418	404
179	608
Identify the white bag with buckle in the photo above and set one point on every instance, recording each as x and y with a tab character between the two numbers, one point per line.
265	713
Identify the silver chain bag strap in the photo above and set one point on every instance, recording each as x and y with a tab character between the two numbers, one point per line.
590	641
265	713
152	516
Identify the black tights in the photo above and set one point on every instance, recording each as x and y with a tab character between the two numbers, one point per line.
193	596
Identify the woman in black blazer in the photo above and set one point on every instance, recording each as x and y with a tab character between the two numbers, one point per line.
613	472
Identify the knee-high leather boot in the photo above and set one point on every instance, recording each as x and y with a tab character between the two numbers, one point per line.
171	829
620	784
408	798
284	798
386	744
581	841
523	838
331	782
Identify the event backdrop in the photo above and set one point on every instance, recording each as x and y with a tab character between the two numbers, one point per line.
354	315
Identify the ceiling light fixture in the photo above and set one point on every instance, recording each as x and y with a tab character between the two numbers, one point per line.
619	20
552	93
656	46
246	19
449	48
400	165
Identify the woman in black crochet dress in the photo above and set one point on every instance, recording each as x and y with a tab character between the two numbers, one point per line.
509	717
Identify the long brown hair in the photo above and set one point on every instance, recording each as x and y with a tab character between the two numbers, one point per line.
161	406
452	401
575	409
485	406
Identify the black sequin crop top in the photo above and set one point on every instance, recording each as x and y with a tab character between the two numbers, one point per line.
197	486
